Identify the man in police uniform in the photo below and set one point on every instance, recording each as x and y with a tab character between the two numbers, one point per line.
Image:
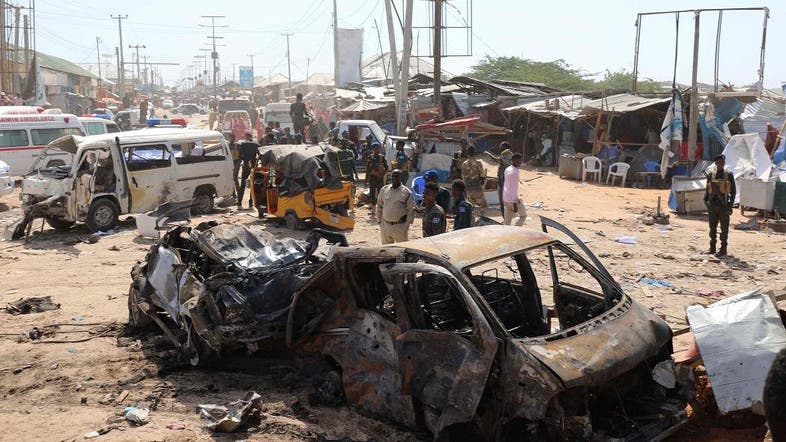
462	209
434	221
474	176
443	195
719	198
395	210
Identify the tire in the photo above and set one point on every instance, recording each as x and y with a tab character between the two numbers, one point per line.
330	389
137	319
293	222
102	215
59	224
203	202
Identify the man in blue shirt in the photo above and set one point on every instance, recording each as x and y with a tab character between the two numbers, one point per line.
443	195
462	209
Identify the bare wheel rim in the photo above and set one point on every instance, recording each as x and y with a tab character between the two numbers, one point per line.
103	216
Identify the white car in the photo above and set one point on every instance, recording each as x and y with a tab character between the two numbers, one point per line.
6	182
167	104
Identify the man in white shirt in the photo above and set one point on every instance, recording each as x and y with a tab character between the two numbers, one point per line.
510	193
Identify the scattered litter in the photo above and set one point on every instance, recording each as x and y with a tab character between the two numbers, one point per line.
24	306
107	233
78	319
665	256
176	426
230	416
751	224
114	249
73	351
136	415
738	338
122	396
626	240
656	282
600	233
664	229
92	435
664	374
711	293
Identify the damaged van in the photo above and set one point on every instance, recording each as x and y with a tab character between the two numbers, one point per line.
491	333
125	172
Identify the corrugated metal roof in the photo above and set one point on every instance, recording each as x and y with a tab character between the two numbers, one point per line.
365	105
621	103
568	106
61	65
757	114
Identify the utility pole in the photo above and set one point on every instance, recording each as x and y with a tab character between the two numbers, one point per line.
438	56
335	43
401	121
234	68
119	73
214	53
138	76
393	53
98	56
289	62
26	20
121	66
3	49
16	46
694	92
308	65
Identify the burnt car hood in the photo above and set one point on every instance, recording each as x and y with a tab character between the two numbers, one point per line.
599	350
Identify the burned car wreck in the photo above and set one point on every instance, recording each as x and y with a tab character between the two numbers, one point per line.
453	333
218	287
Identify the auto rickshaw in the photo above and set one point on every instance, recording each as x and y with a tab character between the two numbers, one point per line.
299	183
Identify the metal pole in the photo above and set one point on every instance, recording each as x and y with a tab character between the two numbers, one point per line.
381	52
634	86
26	20
717	48
393	50
763	44
404	81
121	69
694	92
3	48
289	63
438	56
98	56
214	53
335	45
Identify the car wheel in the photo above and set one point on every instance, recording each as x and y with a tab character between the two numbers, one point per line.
137	319
203	202
293	222
330	389
102	215
59	224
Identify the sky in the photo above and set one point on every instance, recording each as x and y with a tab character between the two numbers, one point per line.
592	36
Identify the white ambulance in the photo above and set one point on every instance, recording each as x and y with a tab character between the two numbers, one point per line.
24	136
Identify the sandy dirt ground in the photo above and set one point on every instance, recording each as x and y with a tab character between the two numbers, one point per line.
60	391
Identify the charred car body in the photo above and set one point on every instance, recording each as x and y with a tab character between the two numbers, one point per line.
451	333
218	286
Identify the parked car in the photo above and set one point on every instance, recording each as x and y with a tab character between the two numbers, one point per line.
190	109
126	172
6	181
167	104
104	111
219	287
98	126
226	121
24	136
453	333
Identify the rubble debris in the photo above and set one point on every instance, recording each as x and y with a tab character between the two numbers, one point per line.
232	415
24	306
626	240
122	396
176	426
656	282
386	327
231	287
738	338
136	415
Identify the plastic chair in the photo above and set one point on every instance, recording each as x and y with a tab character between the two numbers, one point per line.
591	165
418	184
618	170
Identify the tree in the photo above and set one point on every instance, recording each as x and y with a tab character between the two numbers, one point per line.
557	74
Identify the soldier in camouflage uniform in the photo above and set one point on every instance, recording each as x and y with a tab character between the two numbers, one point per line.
474	176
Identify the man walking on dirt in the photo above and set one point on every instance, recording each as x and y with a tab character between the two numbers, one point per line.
719	198
474	175
376	169
395	210
297	111
510	193
248	155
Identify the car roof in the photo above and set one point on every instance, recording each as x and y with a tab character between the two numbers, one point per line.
468	247
96	120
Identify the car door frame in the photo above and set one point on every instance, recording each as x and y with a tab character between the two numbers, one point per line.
166	178
477	355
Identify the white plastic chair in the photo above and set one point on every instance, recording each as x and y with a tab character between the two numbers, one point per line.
591	165
618	170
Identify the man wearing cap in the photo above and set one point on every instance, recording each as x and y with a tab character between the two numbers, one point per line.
719	198
376	169
434	221
443	195
395	210
474	176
